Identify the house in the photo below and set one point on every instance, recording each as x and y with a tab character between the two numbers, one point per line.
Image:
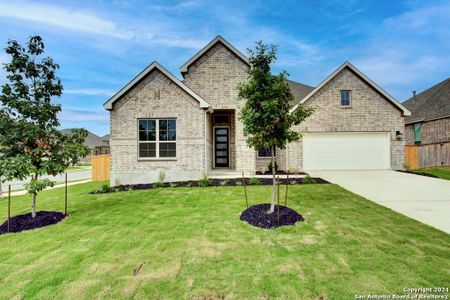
191	127
97	145
429	122
102	147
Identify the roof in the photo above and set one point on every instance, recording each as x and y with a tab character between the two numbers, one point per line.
299	90
91	141
431	104
184	68
347	64
154	65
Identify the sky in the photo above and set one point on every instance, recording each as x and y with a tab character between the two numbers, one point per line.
101	45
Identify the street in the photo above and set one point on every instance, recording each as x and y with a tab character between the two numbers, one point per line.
71	176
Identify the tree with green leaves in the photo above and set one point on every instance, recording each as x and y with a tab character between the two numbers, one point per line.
30	143
267	115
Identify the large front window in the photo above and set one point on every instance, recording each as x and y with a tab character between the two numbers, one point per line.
157	138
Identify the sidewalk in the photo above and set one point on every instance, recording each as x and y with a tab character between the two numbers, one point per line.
23	192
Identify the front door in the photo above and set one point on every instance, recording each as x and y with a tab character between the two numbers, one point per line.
221	147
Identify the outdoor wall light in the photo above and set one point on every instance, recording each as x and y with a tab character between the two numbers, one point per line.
399	135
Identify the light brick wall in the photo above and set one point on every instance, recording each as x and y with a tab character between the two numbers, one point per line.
436	131
141	102
262	163
369	112
215	77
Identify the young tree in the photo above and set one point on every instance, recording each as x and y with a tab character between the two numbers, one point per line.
267	115
30	143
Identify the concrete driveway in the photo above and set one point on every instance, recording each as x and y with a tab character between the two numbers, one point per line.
422	198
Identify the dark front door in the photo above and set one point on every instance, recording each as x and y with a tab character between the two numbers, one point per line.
221	152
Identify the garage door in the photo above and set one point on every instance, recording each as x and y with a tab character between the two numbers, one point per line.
346	151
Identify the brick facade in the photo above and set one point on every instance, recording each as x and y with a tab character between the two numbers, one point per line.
369	112
436	131
214	76
143	102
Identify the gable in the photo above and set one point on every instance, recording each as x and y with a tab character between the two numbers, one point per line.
204	50
361	76
144	74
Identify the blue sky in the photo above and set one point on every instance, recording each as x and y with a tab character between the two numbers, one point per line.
101	45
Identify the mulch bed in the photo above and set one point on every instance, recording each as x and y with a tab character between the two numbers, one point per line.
212	182
280	173
258	216
27	222
418	173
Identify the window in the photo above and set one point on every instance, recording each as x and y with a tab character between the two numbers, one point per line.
345	98
157	138
221	119
266	152
418	133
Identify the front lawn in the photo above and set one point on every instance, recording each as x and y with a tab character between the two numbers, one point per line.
181	243
441	172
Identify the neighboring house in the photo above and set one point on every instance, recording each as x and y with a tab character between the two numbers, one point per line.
429	122
97	145
191	127
102	147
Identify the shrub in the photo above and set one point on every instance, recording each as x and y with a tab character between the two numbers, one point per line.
224	182
172	184
204	181
270	166
107	189
238	182
158	184
254	181
309	180
293	182
161	176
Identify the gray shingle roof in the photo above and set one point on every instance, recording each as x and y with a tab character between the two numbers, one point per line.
432	103
92	140
299	90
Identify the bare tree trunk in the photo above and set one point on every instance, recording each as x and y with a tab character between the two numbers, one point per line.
272	206
33	201
33	205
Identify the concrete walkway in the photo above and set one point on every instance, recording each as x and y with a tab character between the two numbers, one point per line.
422	198
23	192
76	175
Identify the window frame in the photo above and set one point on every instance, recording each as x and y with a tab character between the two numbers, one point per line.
258	156
349	98
417	127
157	141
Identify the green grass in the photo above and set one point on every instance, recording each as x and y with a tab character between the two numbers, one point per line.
190	243
441	172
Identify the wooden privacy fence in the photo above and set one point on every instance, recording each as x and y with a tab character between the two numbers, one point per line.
101	167
424	156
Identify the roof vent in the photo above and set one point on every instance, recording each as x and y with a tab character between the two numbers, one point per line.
414	96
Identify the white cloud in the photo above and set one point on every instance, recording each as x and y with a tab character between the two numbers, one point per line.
89	92
62	17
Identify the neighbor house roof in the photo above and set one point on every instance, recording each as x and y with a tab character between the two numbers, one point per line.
431	104
154	65
299	90
91	141
347	64
218	39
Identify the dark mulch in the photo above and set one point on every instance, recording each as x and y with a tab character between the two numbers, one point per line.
212	182
258	216
27	222
280	173
418	173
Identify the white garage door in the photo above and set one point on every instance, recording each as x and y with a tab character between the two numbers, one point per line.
346	151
